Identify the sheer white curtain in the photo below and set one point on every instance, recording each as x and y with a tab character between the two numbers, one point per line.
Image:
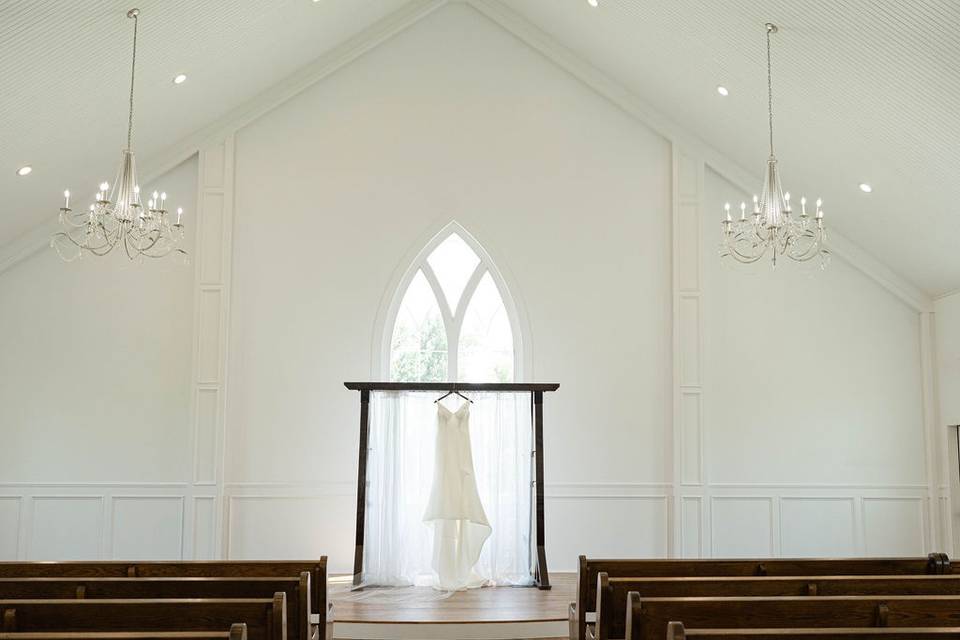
398	546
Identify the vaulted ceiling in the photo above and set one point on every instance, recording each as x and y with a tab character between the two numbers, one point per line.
865	91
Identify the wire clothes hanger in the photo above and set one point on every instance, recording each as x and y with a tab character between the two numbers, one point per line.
452	393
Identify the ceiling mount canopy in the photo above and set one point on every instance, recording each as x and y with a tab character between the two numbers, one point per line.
772	228
117	218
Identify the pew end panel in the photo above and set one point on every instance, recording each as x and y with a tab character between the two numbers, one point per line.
676	631
277	616
578	610
602	626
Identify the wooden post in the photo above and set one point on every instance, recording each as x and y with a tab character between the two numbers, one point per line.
542	577
361	485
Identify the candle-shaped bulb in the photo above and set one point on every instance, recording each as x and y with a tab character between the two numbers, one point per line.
803	206
104	186
786	199
743	210
163	196
756	203
179	214
726	210
66	197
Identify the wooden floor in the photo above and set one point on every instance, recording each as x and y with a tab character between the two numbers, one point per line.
477	606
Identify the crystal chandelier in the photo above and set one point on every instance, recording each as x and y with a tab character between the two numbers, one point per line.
117	217
772	227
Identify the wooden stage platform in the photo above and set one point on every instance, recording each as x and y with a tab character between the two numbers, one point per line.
420	613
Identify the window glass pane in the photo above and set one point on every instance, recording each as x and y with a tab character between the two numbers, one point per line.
418	351
453	262
486	341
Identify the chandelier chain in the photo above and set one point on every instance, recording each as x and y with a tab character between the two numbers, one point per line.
133	75
770	29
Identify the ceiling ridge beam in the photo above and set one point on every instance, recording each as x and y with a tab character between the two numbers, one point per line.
373	36
619	95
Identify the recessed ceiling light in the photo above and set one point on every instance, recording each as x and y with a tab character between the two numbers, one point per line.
24	171
593	3
180	78
865	187
722	90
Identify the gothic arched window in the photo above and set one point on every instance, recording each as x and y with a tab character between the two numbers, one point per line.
454	320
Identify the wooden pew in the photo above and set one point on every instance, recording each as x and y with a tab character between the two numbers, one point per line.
265	618
238	631
297	591
676	631
611	607
589	569
648	618
319	609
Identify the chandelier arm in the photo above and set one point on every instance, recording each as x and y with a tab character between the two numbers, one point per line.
154	234
813	248
106	247
740	256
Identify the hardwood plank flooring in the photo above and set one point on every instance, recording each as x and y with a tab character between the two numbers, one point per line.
413	605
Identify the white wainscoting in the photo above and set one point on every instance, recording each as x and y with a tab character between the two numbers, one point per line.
806	520
605	520
106	521
270	520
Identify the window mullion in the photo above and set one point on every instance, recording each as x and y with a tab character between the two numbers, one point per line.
465	298
448	319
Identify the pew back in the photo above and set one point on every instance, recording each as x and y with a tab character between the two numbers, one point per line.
238	631
676	631
265	618
648	618
296	589
176	569
612	593
588	571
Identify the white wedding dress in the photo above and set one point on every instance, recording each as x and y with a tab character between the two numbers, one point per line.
460	525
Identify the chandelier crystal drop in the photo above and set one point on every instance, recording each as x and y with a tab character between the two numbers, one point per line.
772	226
117	216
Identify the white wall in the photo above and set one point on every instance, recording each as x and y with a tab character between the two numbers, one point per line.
454	119
94	402
814	430
948	373
807	437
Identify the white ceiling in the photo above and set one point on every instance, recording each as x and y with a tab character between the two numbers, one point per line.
865	91
64	81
